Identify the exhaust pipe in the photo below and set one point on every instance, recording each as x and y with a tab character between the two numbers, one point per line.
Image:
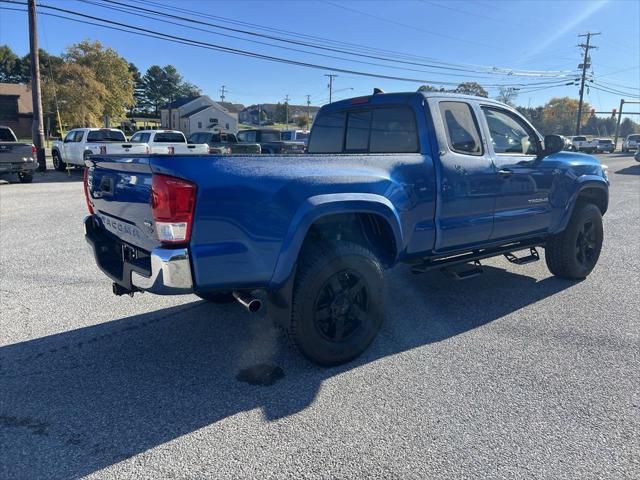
251	303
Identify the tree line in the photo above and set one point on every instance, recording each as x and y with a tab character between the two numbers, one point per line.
89	81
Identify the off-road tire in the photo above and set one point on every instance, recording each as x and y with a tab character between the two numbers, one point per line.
58	164
217	297
338	302
574	252
25	177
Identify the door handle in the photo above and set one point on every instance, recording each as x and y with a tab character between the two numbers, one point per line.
505	172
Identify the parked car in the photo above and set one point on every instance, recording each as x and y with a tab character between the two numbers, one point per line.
168	142
269	140
583	144
631	142
416	177
80	143
295	135
15	157
223	143
605	145
567	143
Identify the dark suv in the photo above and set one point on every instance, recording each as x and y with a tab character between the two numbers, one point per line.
223	143
270	141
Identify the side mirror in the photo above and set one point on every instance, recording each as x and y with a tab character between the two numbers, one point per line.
553	144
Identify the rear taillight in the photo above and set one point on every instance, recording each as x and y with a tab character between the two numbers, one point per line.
34	151
85	182
172	202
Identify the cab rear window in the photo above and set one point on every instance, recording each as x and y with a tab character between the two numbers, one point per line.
106	136
365	130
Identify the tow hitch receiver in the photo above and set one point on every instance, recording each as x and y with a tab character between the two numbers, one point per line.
532	257
464	271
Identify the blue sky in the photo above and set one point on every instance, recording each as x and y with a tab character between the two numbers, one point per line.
527	38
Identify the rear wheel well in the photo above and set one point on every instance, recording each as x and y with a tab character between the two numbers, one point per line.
597	196
367	229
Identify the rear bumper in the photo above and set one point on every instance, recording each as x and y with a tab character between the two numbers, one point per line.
18	167
162	271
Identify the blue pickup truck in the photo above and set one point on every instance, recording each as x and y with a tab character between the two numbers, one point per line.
434	180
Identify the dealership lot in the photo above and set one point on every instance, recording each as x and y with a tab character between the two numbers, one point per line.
513	374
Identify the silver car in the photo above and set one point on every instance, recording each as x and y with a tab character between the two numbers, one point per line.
631	142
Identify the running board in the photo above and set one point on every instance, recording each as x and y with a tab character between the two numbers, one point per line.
444	261
532	257
458	273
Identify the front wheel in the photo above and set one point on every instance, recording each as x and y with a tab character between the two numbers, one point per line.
574	252
58	164
338	302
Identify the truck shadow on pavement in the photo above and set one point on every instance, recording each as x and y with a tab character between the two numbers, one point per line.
79	401
632	170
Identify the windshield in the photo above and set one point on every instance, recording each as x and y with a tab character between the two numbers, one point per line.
605	141
579	139
6	136
169	137
634	137
106	136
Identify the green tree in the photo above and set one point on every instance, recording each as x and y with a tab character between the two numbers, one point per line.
560	114
9	65
280	113
111	70
302	121
81	96
628	126
471	88
164	84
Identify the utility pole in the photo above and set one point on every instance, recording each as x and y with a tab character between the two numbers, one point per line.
331	77
308	111
222	90
37	127
286	110
615	141
585	64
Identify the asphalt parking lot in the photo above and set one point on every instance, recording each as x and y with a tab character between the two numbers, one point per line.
513	374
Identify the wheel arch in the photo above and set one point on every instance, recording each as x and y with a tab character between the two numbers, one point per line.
590	188
375	215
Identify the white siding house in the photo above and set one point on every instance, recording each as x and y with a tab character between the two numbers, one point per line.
197	114
209	118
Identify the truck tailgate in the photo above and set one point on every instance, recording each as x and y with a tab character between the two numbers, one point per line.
119	188
14	152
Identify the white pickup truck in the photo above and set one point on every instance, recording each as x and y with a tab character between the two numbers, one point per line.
168	142
580	143
80	143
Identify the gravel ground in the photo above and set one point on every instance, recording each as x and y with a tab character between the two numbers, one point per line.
513	374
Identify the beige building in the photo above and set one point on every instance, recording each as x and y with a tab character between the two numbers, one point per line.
16	108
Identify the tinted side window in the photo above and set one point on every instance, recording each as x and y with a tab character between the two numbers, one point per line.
286	136
78	136
328	133
393	130
358	124
137	138
249	136
461	127
509	134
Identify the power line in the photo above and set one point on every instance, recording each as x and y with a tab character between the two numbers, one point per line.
490	70
140	31
406	25
140	15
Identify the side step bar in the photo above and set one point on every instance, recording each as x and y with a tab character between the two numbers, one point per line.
532	257
446	262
